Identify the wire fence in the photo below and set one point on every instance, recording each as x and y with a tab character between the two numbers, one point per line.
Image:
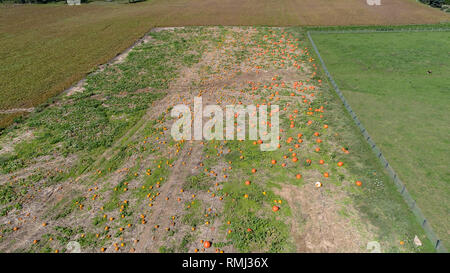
379	30
400	185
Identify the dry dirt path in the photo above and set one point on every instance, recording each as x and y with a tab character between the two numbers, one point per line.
16	110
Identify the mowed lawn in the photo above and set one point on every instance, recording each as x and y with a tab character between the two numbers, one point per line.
385	78
46	48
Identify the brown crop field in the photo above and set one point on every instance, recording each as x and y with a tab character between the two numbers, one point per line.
45	49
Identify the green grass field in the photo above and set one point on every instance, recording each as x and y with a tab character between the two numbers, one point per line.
404	108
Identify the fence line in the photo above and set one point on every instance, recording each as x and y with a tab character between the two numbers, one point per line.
400	185
379	30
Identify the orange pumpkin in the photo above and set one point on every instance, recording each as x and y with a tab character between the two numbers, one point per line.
207	244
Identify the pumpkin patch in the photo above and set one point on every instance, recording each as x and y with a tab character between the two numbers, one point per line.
145	191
